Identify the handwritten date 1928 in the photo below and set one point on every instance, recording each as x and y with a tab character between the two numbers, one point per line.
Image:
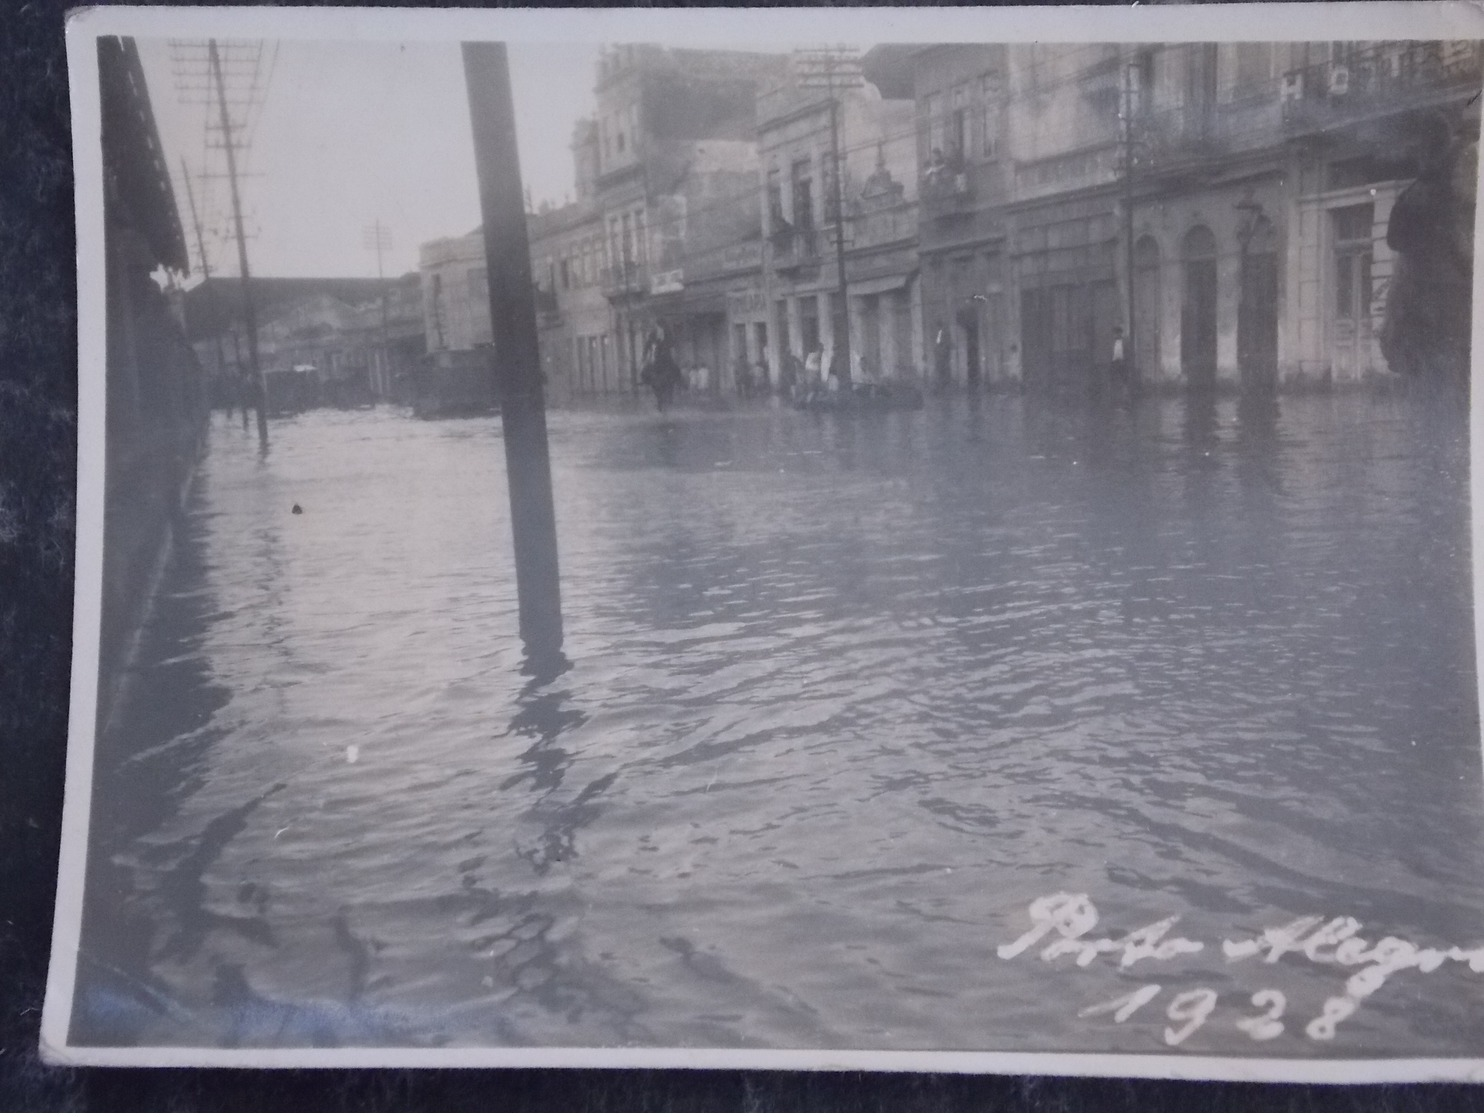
1068	920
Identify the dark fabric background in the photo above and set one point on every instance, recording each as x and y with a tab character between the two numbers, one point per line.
38	399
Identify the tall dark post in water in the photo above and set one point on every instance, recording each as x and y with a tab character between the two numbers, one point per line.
517	357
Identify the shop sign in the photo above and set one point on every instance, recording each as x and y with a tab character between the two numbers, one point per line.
750	302
667	282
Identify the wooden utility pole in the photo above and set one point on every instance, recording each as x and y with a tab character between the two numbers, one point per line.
248	311
832	69
1131	347
517	355
221	356
842	328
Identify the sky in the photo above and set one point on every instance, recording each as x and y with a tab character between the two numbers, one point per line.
352	134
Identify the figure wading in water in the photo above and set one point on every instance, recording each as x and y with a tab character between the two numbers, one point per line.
661	372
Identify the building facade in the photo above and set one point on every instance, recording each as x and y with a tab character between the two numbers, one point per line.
963	169
805	133
675	178
455	292
664	230
1226	205
1006	209
370	331
1264	177
572	315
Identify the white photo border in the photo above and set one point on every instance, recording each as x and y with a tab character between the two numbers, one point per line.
733	28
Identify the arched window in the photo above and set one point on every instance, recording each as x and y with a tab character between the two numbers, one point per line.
1199	244
1146	253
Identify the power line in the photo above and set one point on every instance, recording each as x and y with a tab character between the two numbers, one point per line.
226	79
244	89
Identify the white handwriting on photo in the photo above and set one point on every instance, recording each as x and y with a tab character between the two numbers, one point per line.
1067	919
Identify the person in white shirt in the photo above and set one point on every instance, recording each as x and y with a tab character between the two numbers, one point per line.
1118	367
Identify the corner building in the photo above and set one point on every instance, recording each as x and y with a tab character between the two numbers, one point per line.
1263	180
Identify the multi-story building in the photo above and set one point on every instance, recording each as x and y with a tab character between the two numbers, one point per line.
963	169
1226	204
571	313
703	258
1263	180
664	228
1062	133
674	176
807	133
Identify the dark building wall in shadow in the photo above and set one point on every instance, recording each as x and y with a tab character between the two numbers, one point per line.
156	405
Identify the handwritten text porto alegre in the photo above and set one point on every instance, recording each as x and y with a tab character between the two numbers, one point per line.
1062	925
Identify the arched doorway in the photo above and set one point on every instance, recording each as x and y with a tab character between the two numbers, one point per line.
1257	310
1146	308
968	327
1198	311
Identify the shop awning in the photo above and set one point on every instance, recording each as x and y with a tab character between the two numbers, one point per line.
881	284
711	302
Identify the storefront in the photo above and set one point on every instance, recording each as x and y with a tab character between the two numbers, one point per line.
747	324
1064	260
1343	268
964	297
1209	283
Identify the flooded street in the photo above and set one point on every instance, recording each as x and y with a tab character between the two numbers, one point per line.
845	697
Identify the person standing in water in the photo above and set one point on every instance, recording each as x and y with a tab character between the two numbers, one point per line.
1118	365
942	354
661	372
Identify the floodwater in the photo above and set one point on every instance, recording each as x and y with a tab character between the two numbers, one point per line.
845	697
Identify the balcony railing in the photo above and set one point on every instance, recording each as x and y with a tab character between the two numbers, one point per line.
797	247
628	277
1380	79
883	226
1163	137
946	191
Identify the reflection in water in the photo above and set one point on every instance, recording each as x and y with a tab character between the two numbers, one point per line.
843	696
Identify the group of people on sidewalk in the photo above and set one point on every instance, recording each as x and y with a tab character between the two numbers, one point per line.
819	370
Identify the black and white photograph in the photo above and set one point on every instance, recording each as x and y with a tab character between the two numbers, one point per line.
797	539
